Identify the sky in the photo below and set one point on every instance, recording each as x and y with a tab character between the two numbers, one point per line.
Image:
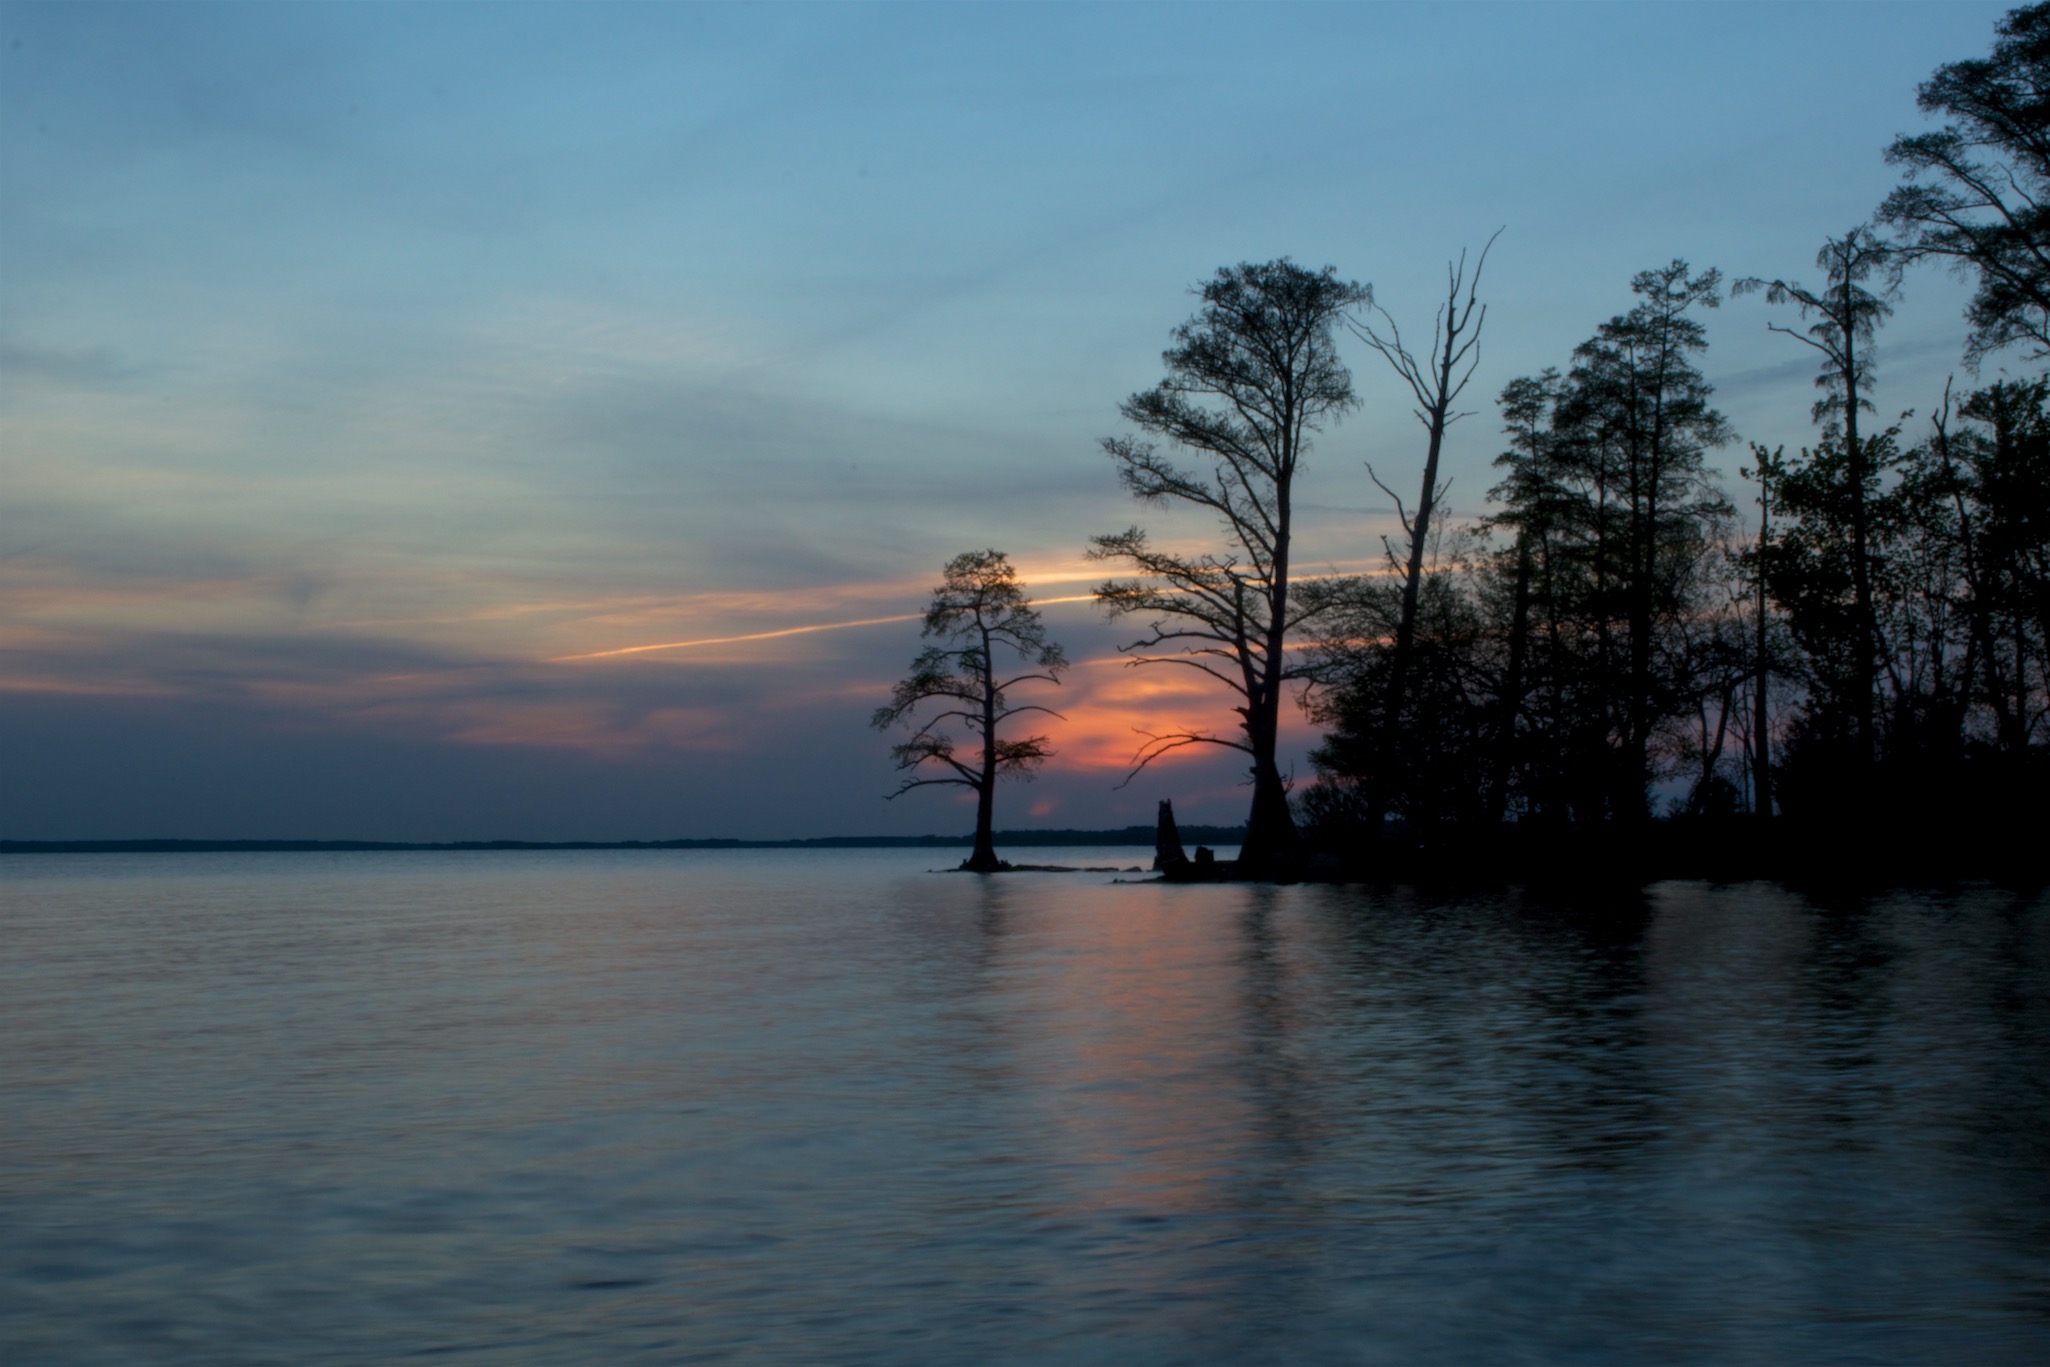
378	382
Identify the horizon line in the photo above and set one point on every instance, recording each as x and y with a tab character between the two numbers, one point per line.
175	844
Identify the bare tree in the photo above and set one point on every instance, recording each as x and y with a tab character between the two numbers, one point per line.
1436	383
977	608
1251	376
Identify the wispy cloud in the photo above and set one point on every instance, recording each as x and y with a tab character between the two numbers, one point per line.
96	365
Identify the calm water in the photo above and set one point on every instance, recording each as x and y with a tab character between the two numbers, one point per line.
826	1107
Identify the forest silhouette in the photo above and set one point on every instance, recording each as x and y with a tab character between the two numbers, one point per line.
1613	670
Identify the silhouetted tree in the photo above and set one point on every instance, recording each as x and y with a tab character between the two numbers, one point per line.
1250	377
1640	423
1847	316
980	609
1767	467
1993	472
1535	507
1551	668
2006	478
1843	607
1435	383
1977	194
1437	775
1715	664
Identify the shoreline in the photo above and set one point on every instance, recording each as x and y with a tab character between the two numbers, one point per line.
1816	859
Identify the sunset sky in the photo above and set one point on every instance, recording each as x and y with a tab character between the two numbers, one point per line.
377	382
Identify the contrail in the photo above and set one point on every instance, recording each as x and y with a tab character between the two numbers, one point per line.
820	626
729	640
772	635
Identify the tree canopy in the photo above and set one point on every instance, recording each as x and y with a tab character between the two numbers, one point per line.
1977	193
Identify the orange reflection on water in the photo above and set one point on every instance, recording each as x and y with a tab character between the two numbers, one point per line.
1136	1057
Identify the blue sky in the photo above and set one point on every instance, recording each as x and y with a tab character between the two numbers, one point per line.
358	363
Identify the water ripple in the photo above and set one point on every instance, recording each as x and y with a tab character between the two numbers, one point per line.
749	1106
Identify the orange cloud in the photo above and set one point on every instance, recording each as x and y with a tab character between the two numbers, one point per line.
1110	708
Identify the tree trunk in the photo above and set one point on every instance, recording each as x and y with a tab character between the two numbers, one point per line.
1405	634
1512	686
984	858
1598	788
1643	604
1269	850
1867	677
1761	721
1629	802
1712	754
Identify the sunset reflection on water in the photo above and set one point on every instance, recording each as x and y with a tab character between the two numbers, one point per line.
749	1106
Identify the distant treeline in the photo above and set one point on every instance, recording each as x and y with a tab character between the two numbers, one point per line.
1129	835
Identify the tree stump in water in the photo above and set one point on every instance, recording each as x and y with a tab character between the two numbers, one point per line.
1167	841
